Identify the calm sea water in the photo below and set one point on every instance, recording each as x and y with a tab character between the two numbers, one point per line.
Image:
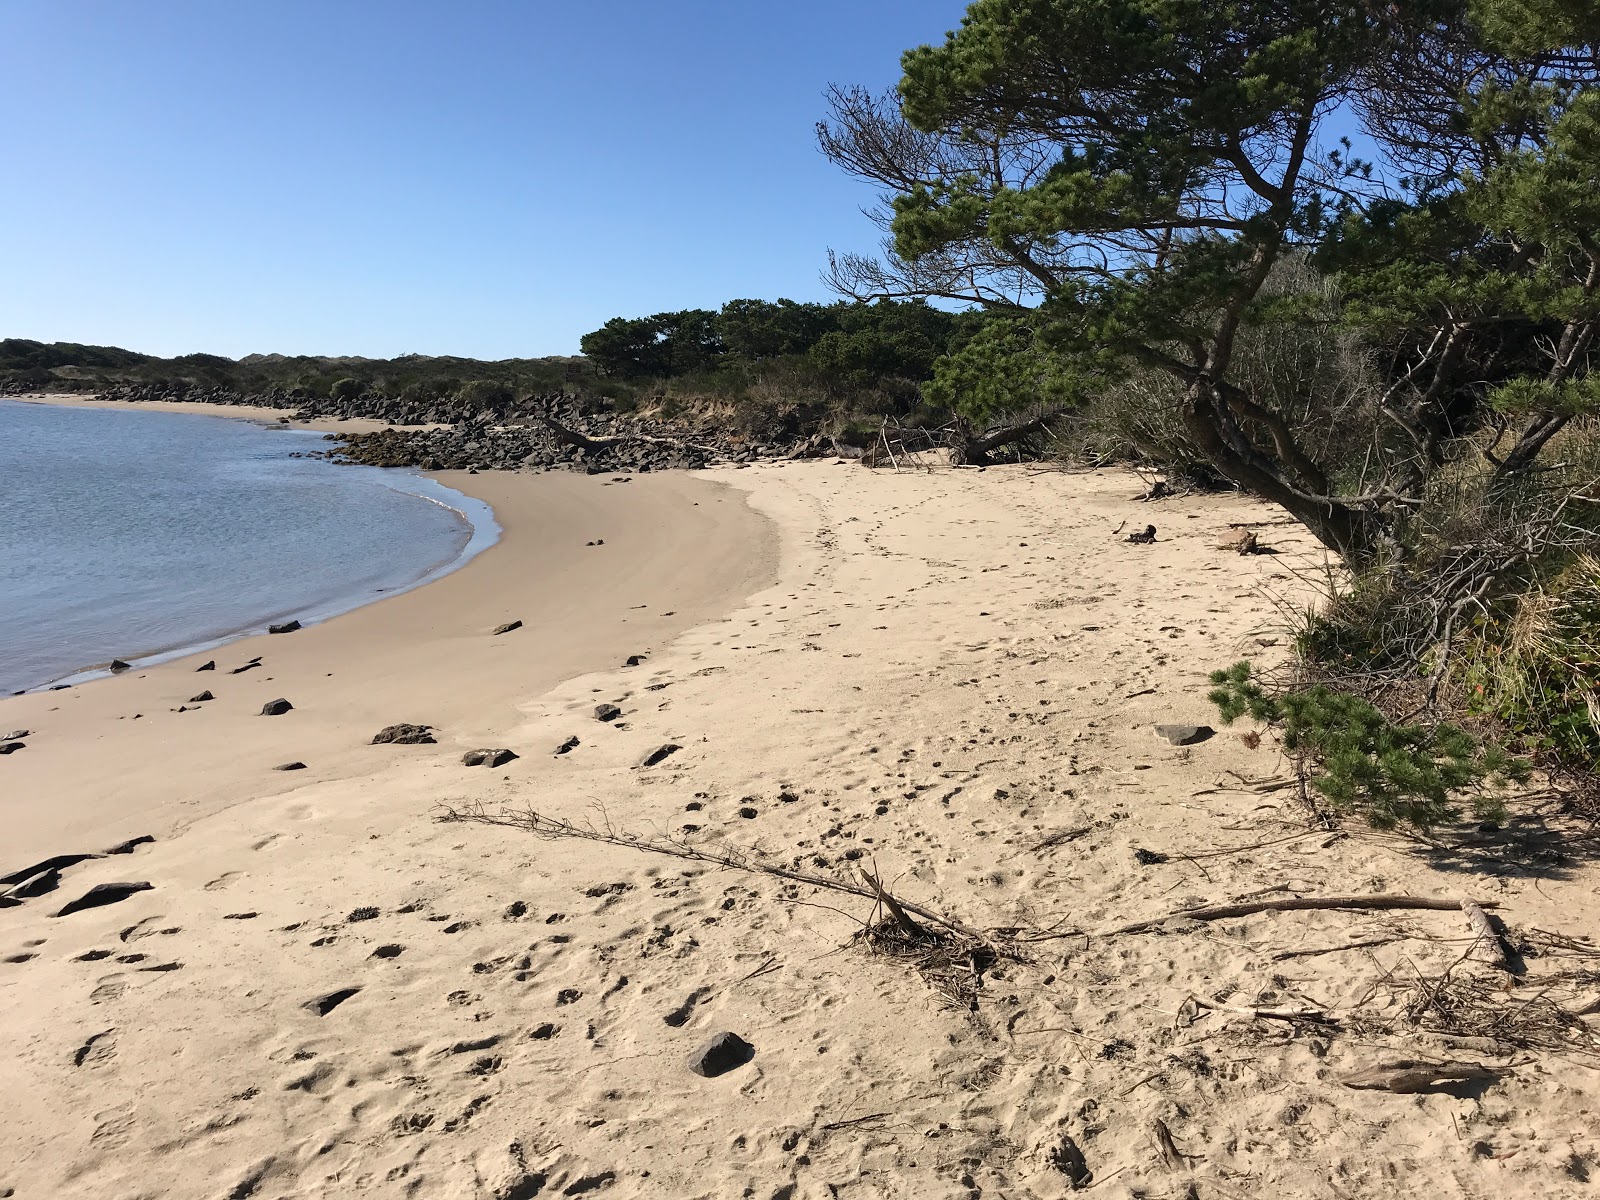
137	535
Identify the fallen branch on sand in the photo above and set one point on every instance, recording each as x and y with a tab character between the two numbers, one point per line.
1220	912
952	959
1488	935
568	436
1263	1014
1407	1076
543	826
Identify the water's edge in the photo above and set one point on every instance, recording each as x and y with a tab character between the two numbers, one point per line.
483	531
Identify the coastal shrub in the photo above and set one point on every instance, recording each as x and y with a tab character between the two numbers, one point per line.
1388	771
346	389
1535	666
484	394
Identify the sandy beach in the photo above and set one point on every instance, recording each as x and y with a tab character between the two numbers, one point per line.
952	677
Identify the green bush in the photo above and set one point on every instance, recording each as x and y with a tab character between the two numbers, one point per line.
1391	773
346	389
1537	669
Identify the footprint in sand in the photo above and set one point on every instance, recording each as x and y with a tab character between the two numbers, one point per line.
101	1048
112	1128
222	881
110	988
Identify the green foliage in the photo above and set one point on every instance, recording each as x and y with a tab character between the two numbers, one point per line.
346	389
1389	772
484	394
756	330
664	344
1534	666
1005	367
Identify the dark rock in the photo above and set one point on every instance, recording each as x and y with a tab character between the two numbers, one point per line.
290	766
275	708
486	758
723	1053
118	666
1145	538
12	747
44	881
606	712
207	666
249	666
568	746
507	627
404	735
58	862
659	753
132	844
202	697
1069	1160
1148	858
367	913
1185	735
286	627
102	894
323	1005
635	660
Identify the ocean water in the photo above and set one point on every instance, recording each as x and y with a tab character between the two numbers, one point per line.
143	535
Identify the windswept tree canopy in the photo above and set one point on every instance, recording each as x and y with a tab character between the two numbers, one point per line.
1129	174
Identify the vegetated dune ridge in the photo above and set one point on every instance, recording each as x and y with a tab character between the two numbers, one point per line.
954	680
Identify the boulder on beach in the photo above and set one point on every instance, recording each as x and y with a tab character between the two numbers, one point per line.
606	712
207	666
486	758
202	697
404	735
118	666
659	753
275	708
286	627
723	1053
1185	735
290	766
102	894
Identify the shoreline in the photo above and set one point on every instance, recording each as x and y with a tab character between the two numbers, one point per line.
476	518
341	673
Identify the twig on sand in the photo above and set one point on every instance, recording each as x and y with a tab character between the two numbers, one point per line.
1220	912
1285	955
831	1125
548	827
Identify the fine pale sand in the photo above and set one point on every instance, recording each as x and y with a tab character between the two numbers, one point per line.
951	675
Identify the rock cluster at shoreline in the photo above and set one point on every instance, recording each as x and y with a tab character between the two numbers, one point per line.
539	433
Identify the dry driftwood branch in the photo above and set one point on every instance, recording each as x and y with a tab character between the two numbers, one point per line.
548	827
1296	904
1407	1076
1488	935
568	436
1264	1014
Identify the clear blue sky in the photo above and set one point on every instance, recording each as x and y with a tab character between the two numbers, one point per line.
378	177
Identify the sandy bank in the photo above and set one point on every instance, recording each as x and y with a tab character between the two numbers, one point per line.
249	412
955	676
